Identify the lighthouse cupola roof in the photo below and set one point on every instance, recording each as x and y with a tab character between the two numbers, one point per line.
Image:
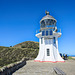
47	20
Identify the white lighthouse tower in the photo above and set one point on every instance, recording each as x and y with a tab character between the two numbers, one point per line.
48	40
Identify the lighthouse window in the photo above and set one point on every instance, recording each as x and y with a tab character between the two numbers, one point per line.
41	40
46	41
49	41
51	32
43	33
48	52
54	40
47	33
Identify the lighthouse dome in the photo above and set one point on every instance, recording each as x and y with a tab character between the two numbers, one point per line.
48	17
47	20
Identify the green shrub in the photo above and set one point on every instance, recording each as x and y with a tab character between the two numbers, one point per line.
23	46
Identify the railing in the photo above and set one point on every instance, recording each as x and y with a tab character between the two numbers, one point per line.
58	30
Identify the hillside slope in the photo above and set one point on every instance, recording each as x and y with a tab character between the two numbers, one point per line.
28	44
12	54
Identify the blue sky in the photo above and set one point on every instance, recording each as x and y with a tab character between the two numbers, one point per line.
19	20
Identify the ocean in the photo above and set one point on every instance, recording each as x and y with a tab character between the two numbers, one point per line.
72	55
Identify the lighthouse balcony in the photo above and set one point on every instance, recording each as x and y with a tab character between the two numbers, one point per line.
48	33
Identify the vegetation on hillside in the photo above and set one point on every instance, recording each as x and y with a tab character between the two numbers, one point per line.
28	44
12	54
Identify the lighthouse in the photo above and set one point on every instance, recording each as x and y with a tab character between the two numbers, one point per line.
48	40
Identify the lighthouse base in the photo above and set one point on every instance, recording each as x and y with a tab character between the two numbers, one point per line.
48	61
53	57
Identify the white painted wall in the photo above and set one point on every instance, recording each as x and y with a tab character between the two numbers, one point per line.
54	53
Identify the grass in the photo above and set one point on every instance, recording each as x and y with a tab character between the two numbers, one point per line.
71	58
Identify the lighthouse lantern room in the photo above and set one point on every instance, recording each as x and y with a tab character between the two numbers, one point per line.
48	40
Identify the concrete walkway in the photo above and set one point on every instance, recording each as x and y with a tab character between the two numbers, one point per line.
46	68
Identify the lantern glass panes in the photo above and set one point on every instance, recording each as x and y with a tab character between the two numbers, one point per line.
51	32
46	33
43	33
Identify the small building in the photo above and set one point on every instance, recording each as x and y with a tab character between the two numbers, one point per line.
48	40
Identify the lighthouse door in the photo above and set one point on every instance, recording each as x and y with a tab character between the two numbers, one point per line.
48	52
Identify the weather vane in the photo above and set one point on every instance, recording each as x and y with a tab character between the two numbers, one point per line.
46	12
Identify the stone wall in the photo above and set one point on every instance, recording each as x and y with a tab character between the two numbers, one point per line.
11	68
